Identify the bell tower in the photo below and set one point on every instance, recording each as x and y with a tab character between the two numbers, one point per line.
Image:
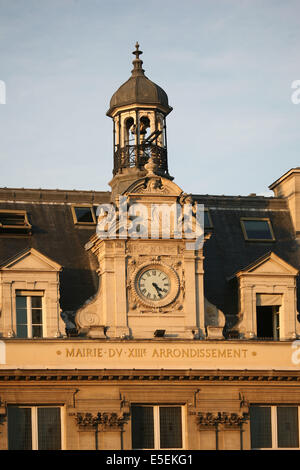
150	276
138	109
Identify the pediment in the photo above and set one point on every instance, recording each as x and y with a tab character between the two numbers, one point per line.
270	264
153	186
31	260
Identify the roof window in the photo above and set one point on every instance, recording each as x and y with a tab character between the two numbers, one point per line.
255	229
83	215
14	222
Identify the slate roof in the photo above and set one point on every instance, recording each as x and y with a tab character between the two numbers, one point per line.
55	235
226	252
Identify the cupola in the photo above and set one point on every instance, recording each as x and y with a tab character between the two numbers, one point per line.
138	109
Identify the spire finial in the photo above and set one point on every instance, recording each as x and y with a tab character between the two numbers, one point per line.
137	62
137	52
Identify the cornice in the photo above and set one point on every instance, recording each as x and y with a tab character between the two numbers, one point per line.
154	376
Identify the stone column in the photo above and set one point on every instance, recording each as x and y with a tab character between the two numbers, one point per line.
190	307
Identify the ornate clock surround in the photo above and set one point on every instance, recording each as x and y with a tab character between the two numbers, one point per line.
168	270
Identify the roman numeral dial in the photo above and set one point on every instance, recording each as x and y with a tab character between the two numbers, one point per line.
154	284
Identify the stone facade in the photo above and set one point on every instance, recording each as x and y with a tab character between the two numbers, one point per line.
189	366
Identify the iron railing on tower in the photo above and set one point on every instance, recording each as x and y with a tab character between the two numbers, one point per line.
137	156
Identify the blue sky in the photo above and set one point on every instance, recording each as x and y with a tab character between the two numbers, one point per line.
226	65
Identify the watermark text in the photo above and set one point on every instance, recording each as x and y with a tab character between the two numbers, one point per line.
152	221
295	97
2	92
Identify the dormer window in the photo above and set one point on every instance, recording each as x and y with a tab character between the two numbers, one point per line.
259	230
30	283
268	321
29	314
14	222
83	215
267	299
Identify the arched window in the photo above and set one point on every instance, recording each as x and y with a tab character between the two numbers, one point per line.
144	127
128	131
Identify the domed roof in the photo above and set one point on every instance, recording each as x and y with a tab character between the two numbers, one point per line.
139	89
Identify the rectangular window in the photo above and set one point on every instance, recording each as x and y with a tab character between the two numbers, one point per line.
274	427
267	321
14	222
29	316
34	428
257	229
157	427
83	215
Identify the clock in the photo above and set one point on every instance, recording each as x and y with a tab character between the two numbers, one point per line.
155	284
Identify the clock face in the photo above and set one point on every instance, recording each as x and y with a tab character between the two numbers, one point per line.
154	284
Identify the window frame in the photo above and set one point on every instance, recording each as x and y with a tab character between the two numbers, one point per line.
274	426
28	295
275	320
87	206
261	219
26	224
35	425
156	424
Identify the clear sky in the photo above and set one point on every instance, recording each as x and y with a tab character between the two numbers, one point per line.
226	65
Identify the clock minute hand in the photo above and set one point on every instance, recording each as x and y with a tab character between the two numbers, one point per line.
157	288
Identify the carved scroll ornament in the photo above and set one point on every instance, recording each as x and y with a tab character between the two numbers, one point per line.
214	419
103	421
